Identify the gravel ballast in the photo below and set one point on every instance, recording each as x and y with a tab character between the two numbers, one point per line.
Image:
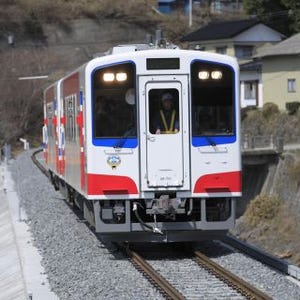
78	265
272	282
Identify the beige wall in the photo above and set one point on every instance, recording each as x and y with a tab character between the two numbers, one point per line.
212	48
275	74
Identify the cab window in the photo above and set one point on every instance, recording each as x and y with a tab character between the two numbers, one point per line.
114	102
212	99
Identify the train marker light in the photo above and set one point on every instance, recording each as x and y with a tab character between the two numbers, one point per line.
217	75
203	75
108	77
121	76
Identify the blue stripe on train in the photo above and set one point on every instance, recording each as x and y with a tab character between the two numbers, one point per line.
116	142
212	140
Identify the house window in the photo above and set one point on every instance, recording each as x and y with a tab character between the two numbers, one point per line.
250	90
291	85
243	51
221	50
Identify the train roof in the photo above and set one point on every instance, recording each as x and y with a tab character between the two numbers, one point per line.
137	50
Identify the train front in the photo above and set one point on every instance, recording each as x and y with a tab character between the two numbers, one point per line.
163	156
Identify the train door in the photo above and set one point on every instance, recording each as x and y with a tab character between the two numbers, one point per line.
164	132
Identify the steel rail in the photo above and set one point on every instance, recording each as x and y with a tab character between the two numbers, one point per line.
165	287
38	164
240	285
260	255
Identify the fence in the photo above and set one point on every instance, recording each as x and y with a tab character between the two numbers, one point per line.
262	142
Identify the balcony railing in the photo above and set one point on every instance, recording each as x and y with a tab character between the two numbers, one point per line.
262	143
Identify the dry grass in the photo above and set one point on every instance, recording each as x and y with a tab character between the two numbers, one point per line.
294	171
270	111
30	15
271	225
261	209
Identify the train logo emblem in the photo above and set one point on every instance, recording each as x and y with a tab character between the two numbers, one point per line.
114	161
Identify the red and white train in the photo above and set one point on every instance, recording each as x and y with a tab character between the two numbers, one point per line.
145	140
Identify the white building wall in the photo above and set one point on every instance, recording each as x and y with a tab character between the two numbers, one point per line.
251	76
259	33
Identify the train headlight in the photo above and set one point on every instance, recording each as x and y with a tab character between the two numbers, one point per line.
217	75
121	76
203	75
108	77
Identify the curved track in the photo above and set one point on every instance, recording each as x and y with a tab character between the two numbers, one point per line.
164	286
37	162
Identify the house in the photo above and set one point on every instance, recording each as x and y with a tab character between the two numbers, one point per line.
166	6
281	72
251	90
215	6
241	39
226	6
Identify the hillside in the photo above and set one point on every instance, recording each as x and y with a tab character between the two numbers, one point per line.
40	37
272	220
26	18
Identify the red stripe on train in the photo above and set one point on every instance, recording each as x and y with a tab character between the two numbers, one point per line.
219	183
110	184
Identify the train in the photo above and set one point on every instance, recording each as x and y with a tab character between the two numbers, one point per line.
145	140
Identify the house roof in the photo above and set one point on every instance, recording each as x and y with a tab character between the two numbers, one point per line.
290	46
251	66
220	30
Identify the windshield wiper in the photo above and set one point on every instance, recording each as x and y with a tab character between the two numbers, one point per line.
122	140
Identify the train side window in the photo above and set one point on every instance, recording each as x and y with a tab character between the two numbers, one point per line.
212	99
71	112
114	102
49	112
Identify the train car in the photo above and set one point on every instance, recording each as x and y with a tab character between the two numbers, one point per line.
145	140
50	134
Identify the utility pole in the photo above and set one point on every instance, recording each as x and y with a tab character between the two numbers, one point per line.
190	13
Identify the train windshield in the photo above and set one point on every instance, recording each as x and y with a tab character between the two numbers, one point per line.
114	105
212	99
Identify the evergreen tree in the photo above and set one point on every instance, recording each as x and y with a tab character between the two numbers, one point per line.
294	14
282	15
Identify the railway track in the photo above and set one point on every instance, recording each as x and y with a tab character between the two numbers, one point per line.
37	162
155	278
169	291
237	283
166	286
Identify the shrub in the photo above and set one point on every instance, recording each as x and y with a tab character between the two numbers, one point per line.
294	171
253	123
262	208
292	107
270	110
246	110
33	28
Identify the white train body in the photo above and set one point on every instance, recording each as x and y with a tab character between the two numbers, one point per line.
132	181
